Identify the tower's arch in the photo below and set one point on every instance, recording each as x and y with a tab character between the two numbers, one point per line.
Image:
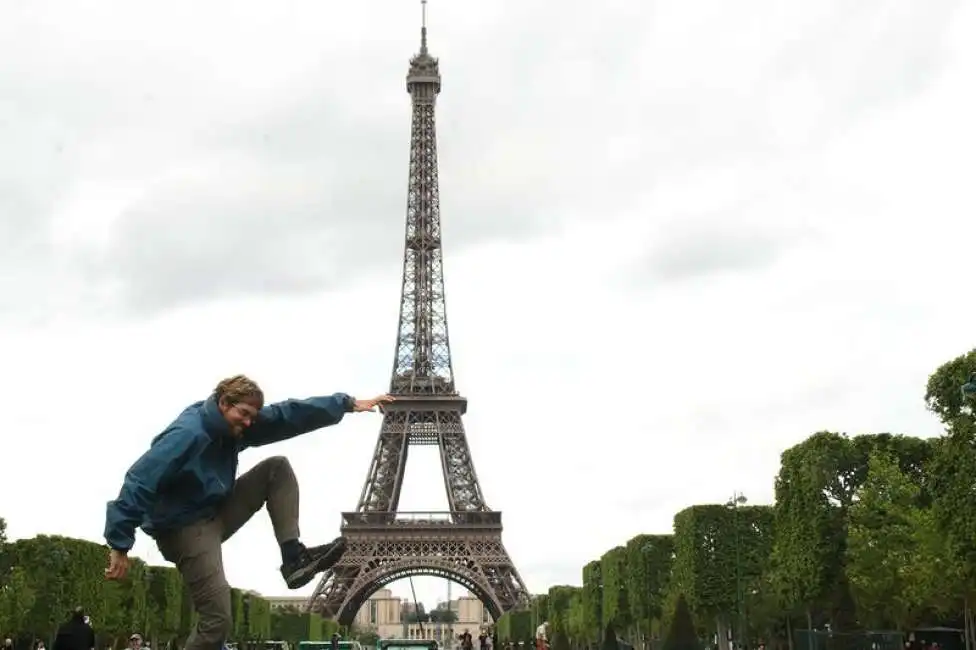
369	583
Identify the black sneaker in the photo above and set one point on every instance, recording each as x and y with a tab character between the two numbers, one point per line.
311	562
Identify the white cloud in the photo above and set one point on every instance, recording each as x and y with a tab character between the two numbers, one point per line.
679	239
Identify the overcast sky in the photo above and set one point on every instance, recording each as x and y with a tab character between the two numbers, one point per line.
680	237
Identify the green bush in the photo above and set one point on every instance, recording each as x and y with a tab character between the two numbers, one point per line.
610	638
560	641
681	633
45	577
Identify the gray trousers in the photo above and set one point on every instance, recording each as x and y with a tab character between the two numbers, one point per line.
196	549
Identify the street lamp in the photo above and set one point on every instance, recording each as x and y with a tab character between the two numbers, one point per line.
738	499
969	388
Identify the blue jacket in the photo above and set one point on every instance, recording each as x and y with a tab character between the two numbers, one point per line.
191	466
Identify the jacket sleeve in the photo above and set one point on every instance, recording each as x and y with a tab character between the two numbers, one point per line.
293	417
141	484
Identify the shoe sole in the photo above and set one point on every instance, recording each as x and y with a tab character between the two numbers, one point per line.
305	575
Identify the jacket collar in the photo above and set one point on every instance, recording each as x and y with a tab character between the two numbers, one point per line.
213	420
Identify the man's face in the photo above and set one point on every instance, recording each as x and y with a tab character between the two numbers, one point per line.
239	416
135	642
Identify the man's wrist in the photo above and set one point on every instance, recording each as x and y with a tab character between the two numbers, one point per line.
349	403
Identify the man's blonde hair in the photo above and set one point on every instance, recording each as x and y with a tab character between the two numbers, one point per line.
239	388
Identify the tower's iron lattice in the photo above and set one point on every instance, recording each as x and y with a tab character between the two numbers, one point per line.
464	544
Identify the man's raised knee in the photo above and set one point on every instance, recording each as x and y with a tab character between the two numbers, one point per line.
278	464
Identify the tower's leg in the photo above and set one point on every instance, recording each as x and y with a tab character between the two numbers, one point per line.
381	491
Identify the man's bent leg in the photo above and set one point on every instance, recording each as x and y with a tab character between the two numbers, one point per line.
196	551
271	481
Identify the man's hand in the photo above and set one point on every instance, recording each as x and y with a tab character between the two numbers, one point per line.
118	565
361	405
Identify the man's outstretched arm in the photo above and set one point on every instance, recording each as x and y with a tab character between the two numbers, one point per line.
293	417
141	485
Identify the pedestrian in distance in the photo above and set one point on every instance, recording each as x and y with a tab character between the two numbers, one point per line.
76	633
184	492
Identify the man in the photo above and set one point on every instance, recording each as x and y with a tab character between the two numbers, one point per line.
75	634
135	641
184	493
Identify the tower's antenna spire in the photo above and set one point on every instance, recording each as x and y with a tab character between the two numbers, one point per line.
423	26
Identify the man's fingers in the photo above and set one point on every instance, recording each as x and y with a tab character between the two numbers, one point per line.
116	571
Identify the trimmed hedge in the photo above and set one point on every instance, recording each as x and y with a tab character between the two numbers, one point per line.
43	578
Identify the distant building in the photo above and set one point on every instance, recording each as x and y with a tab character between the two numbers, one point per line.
385	614
286	602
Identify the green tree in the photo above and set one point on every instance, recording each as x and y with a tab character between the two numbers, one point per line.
613	569
47	560
516	626
258	618
705	564
953	481
592	601
913	456
649	562
539	606
681	633
807	556
238	613
293	626
443	615
560	641
952	472
16	600
165	603
560	601
610	638
369	637
886	547
411	615
5	560
943	392
576	619
753	529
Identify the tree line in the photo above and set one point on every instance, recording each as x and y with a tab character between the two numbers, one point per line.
867	532
44	578
440	614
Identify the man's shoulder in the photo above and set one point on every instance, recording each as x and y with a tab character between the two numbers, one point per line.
192	415
187	424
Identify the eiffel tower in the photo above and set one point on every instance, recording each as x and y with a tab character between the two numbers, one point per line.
384	545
